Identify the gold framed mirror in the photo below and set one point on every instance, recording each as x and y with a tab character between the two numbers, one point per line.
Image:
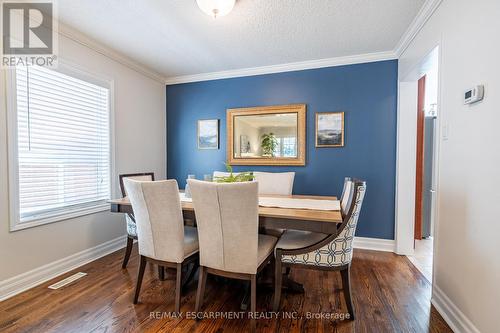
269	135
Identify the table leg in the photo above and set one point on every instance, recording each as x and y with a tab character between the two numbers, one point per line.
246	297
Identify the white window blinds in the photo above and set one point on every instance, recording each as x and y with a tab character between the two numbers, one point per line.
63	132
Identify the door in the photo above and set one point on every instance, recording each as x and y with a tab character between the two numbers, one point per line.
419	185
428	194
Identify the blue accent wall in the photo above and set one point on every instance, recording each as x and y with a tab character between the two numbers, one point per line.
367	93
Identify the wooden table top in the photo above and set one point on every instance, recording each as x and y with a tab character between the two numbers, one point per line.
332	216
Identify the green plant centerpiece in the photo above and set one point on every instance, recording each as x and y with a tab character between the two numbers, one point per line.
268	144
232	178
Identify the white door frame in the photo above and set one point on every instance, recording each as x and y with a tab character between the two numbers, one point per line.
407	151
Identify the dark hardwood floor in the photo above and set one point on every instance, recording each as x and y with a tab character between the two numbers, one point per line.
390	295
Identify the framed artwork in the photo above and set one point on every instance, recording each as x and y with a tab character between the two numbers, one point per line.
329	129
208	134
244	144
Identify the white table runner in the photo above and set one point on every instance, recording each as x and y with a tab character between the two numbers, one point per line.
299	203
184	198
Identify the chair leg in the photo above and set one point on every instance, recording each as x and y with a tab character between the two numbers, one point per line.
346	285
128	251
253	301
161	273
278	277
202	280
178	288
189	274
142	267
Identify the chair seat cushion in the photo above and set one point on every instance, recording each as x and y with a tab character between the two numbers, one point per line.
294	239
276	232
190	241
265	247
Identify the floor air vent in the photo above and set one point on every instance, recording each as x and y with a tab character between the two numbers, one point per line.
67	280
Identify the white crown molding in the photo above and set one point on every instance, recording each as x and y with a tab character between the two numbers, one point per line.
455	318
79	37
377	244
288	67
416	25
27	280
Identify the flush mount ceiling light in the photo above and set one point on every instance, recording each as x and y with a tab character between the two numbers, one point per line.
216	8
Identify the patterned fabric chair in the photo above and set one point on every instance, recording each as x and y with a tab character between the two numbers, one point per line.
344	198
321	251
163	238
228	221
129	218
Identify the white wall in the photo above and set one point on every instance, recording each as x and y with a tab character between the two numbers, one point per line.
139	106
243	128
467	264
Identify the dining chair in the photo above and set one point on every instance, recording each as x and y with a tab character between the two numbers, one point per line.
274	183
227	215
321	251
345	196
129	218
277	183
163	238
219	174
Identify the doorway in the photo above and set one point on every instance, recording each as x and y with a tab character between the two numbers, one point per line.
425	175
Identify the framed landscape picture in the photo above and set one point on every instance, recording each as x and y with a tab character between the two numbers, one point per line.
208	134
329	129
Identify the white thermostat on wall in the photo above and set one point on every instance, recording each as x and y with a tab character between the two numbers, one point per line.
474	95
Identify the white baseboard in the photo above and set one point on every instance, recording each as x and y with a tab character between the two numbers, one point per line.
455	318
377	244
27	280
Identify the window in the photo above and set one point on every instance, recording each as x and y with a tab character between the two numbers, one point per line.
286	147
60	142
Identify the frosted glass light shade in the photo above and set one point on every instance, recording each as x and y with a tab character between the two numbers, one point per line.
216	8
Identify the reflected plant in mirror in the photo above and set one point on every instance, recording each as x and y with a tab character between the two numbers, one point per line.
268	144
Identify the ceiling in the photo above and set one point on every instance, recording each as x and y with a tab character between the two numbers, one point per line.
175	38
272	120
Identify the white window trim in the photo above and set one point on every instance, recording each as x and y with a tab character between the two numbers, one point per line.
67	68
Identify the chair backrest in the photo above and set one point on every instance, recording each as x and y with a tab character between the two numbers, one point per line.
158	214
222	174
342	244
346	195
144	176
227	216
334	250
280	183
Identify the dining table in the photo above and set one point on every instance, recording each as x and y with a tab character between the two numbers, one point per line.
315	220
289	218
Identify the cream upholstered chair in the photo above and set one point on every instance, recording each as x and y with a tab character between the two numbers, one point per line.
274	183
320	251
227	216
222	174
277	183
163	238
129	218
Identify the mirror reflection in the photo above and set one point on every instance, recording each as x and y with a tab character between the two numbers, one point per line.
265	136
